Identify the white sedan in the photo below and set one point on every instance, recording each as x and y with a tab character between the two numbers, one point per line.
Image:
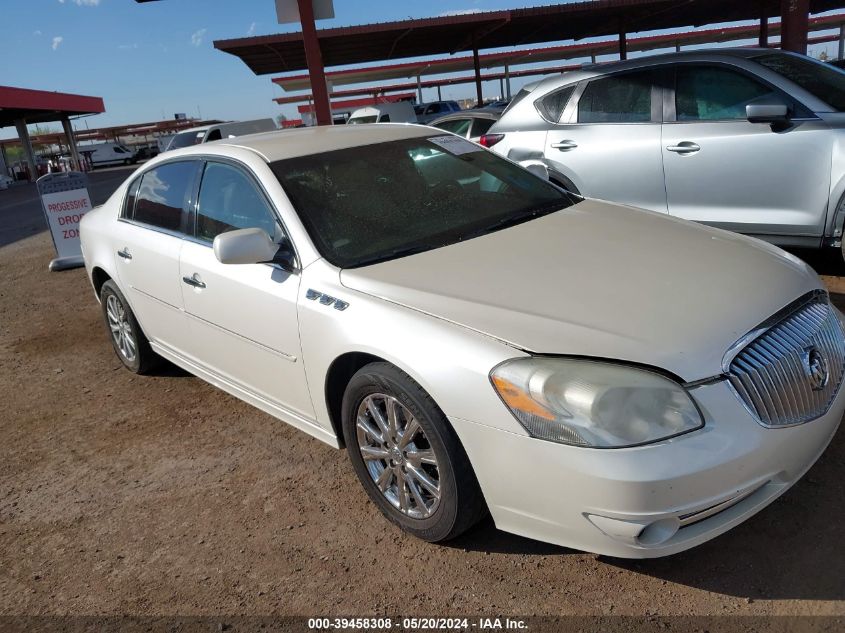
479	340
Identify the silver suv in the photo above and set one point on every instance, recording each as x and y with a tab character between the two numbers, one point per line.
749	140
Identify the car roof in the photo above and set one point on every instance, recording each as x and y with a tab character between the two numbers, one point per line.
282	144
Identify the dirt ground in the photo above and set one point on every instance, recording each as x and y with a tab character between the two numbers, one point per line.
162	495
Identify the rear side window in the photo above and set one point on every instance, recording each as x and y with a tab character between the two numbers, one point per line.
551	106
455	126
384	118
163	195
480	126
709	93
618	99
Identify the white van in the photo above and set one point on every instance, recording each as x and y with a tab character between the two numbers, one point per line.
102	154
218	131
399	112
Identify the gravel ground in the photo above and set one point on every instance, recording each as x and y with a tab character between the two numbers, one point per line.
161	495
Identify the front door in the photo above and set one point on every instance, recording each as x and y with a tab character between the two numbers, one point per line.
244	317
740	176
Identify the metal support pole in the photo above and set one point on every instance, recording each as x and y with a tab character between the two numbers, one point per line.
439	97
508	82
477	65
764	32
23	135
677	48
419	90
841	41
795	25
623	44
71	141
314	57
501	88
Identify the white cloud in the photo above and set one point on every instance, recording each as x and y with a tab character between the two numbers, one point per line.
251	30
84	3
447	14
56	41
36	32
196	38
126	47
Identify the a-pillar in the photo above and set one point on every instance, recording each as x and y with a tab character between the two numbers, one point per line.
23	135
795	24
71	141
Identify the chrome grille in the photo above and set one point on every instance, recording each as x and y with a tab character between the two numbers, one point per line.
790	373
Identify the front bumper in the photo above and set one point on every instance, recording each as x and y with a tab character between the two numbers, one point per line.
646	501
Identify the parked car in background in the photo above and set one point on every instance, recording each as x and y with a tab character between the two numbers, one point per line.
471	124
838	63
104	154
749	140
398	112
208	133
444	314
427	112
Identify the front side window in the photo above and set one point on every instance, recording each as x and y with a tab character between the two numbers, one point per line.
229	200
821	80
378	202
163	195
456	126
618	99
709	93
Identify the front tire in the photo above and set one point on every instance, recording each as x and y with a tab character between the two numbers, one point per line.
407	456
128	340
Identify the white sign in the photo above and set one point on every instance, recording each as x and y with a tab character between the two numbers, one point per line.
288	10
455	144
64	210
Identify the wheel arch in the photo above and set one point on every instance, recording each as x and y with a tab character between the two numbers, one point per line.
98	278
339	374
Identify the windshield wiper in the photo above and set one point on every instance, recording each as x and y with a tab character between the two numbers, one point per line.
513	220
394	254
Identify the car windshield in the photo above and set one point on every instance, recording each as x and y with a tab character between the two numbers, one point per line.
186	139
362	119
821	80
377	202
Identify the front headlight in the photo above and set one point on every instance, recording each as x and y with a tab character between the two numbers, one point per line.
591	403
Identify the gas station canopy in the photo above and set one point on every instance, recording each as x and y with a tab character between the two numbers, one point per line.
40	106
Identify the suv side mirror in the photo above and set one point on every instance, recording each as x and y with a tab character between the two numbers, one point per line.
252	246
771	111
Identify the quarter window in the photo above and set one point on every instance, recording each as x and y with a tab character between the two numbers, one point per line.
552	105
618	99
163	195
131	195
229	200
714	94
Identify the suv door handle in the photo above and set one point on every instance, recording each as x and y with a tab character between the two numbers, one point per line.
125	254
565	146
684	148
194	281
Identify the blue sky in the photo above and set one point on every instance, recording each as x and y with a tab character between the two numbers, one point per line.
149	61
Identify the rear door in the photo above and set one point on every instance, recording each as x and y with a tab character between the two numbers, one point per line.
607	138
243	317
746	177
147	243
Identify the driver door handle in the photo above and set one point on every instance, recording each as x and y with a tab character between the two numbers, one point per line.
684	148
194	281
125	254
565	146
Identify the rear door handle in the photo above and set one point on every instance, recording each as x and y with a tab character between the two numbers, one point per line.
565	146
125	254
684	148
194	281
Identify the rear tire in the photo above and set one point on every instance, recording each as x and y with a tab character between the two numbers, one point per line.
415	469
127	339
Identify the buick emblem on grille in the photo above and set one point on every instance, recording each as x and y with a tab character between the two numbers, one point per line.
815	366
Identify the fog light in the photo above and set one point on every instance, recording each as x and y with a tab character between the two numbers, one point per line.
645	533
659	531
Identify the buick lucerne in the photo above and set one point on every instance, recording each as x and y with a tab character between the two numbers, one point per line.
479	339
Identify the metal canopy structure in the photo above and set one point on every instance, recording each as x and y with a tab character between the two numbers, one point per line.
498	29
21	106
539	55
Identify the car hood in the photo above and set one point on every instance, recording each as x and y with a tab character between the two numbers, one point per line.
601	280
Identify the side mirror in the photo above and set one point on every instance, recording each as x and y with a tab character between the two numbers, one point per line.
251	246
537	168
771	112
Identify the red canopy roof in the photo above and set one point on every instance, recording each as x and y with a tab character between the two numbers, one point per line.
39	106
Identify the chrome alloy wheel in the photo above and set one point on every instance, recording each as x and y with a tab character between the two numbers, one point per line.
398	455
121	329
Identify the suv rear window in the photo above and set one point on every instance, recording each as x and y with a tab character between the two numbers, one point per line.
821	80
